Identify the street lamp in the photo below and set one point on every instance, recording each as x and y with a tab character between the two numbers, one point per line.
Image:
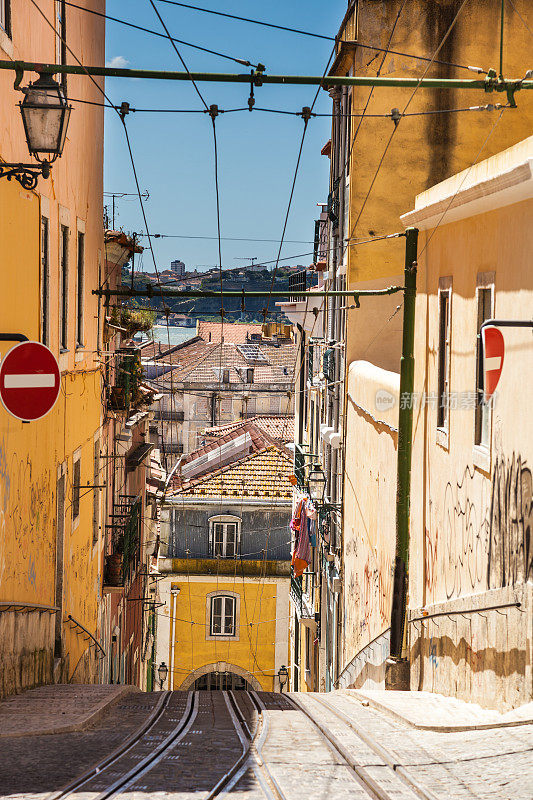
45	116
283	676
162	671
316	484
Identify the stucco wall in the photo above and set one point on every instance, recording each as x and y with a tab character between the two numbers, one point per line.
33	456
472	514
369	515
188	648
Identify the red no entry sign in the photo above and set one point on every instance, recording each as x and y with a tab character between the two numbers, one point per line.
29	381
493	353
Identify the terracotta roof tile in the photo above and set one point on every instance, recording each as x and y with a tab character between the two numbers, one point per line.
279	428
264	475
234	332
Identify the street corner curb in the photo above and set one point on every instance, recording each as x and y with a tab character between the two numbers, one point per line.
82	723
365	699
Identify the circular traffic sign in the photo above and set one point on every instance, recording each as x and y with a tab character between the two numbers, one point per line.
29	381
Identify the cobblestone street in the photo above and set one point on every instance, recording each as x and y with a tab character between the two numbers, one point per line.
252	746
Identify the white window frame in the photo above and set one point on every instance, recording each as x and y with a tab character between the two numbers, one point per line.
225	520
482	449
231	600
444	373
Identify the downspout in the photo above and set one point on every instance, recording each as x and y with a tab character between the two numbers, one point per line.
405	445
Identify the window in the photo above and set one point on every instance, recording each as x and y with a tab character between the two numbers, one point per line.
223	622
80	289
61	37
250	375
45	280
483	411
443	400
225	376
76	480
63	333
5	16
225	538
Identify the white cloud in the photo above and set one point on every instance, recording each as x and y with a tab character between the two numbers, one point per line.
118	61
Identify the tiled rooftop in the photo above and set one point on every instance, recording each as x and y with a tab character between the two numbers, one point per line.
241	440
277	427
264	474
234	332
200	362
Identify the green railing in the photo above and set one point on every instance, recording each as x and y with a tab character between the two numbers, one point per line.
131	541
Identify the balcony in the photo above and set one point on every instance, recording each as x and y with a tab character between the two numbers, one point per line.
125	545
300	600
128	375
174	416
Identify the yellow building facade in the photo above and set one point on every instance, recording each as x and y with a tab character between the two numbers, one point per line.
51	246
223	619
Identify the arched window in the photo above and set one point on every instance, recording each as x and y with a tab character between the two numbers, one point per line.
224	536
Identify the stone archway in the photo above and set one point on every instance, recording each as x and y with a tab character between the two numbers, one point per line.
221	666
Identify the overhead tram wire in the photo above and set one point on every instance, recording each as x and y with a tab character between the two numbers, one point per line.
242	61
317	35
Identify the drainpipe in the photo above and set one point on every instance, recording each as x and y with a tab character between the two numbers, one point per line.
405	445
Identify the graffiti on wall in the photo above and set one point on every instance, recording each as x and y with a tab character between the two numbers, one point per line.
510	555
483	542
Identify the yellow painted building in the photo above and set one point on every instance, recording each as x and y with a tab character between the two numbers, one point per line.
224	587
51	245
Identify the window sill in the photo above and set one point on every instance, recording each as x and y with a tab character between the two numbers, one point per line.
481	458
218	637
443	438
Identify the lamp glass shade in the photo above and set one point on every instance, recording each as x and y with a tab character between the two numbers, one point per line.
316	483
283	674
162	671
45	115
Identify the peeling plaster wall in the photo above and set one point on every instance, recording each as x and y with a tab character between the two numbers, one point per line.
472	516
369	522
40	647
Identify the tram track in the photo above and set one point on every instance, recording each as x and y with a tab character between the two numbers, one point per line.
361	772
170	723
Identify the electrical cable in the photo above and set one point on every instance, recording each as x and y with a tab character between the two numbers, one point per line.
316	35
391	137
243	62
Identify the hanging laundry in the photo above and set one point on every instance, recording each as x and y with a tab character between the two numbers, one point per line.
303	524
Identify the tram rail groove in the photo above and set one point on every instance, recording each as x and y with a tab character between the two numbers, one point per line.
253	760
119	751
361	772
149	762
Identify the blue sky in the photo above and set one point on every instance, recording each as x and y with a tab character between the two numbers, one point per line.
257	152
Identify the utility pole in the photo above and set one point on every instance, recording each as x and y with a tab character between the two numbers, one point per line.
405	445
145	195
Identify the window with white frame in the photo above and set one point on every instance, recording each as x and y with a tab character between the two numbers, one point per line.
223	615
225	536
484	293
5	16
444	355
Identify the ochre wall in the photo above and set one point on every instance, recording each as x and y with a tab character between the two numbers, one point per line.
254	651
425	149
32	455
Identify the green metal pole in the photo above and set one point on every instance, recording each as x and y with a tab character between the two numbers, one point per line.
405	443
488	84
502	19
157	291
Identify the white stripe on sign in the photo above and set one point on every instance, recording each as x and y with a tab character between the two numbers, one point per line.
493	363
35	381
